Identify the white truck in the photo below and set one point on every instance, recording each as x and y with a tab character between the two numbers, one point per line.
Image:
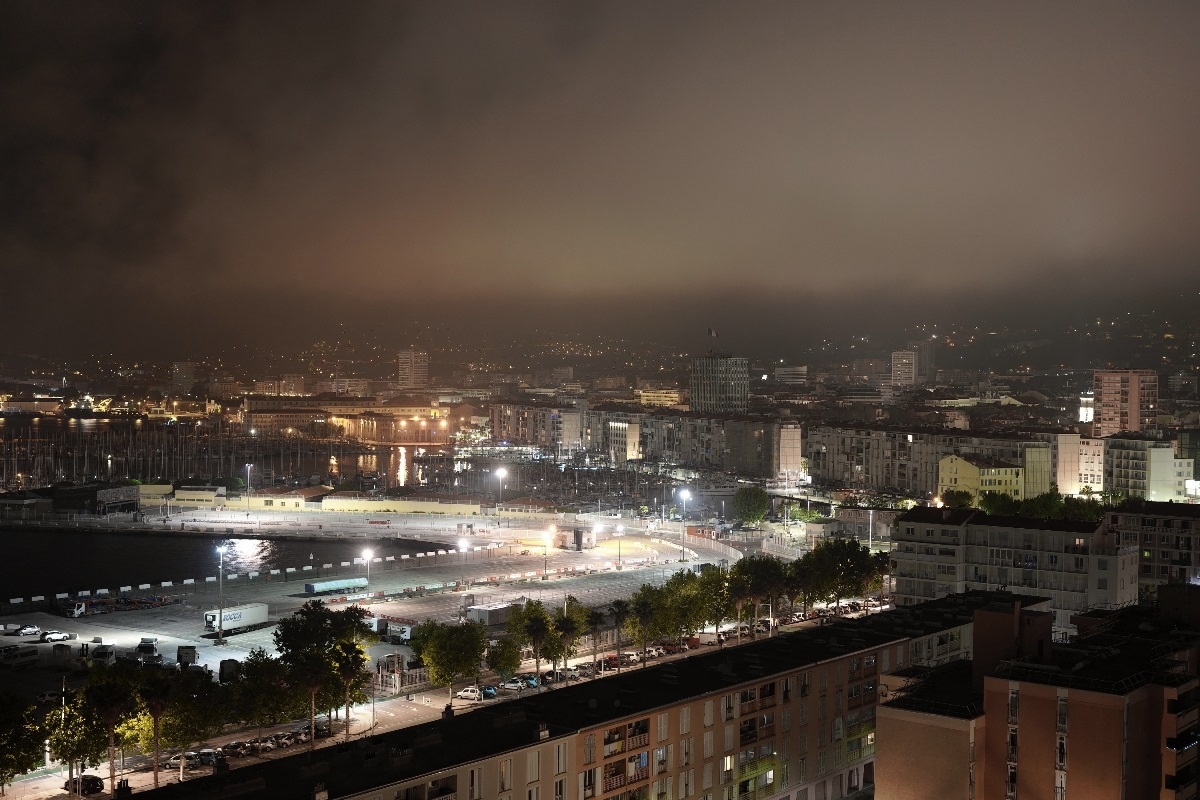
236	618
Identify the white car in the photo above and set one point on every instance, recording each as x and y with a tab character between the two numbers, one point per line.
54	636
469	693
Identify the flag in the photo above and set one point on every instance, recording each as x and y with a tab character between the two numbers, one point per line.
712	333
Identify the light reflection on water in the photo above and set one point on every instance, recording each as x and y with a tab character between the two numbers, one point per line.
52	562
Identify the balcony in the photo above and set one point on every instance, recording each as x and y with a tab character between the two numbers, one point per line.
614	782
639	774
748	707
752	769
636	741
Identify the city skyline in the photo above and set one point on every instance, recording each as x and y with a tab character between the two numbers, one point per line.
187	173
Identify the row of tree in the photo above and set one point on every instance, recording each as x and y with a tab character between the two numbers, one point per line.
686	604
1051	505
322	664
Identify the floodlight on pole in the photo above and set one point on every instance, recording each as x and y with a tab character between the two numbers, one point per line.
546	537
247	487
462	548
501	474
619	533
367	555
684	495
221	594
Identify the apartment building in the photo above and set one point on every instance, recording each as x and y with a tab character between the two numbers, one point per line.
790	717
976	475
907	459
1125	401
1167	539
1141	466
1077	565
1108	716
412	369
719	384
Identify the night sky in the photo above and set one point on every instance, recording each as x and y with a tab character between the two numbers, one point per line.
178	172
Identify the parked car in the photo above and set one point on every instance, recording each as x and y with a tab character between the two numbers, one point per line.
236	749
210	756
28	630
470	693
322	730
54	636
572	673
261	745
284	739
301	735
189	759
488	690
514	685
84	784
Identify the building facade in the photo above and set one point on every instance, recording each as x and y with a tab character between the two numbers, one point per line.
412	369
1146	468
1125	401
1077	565
720	384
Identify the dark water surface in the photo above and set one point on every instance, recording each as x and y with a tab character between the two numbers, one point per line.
50	562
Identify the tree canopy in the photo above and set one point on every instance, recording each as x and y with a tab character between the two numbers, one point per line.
751	504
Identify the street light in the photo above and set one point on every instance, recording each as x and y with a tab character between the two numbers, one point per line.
247	487
619	533
367	555
546	552
501	474
462	548
221	594
684	495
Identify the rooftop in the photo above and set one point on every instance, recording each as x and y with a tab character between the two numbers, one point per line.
928	515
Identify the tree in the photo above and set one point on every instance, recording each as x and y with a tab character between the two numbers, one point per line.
304	641
957	498
504	657
197	711
568	630
759	579
846	564
111	696
999	503
531	625
593	625
154	693
799	583
645	606
21	737
76	735
619	611
713	604
751	504
262	695
453	651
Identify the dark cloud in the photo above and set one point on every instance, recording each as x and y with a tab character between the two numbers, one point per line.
197	164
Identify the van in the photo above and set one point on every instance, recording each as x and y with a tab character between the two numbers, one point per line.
21	657
629	658
104	654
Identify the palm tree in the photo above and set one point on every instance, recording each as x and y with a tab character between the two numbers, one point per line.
537	628
113	699
595	622
644	610
620	613
154	689
566	627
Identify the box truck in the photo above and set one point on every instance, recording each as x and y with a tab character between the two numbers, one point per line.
236	618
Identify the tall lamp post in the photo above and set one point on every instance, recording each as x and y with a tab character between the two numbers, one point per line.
619	533
367	555
501	474
221	594
462	548
684	495
247	487
546	552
